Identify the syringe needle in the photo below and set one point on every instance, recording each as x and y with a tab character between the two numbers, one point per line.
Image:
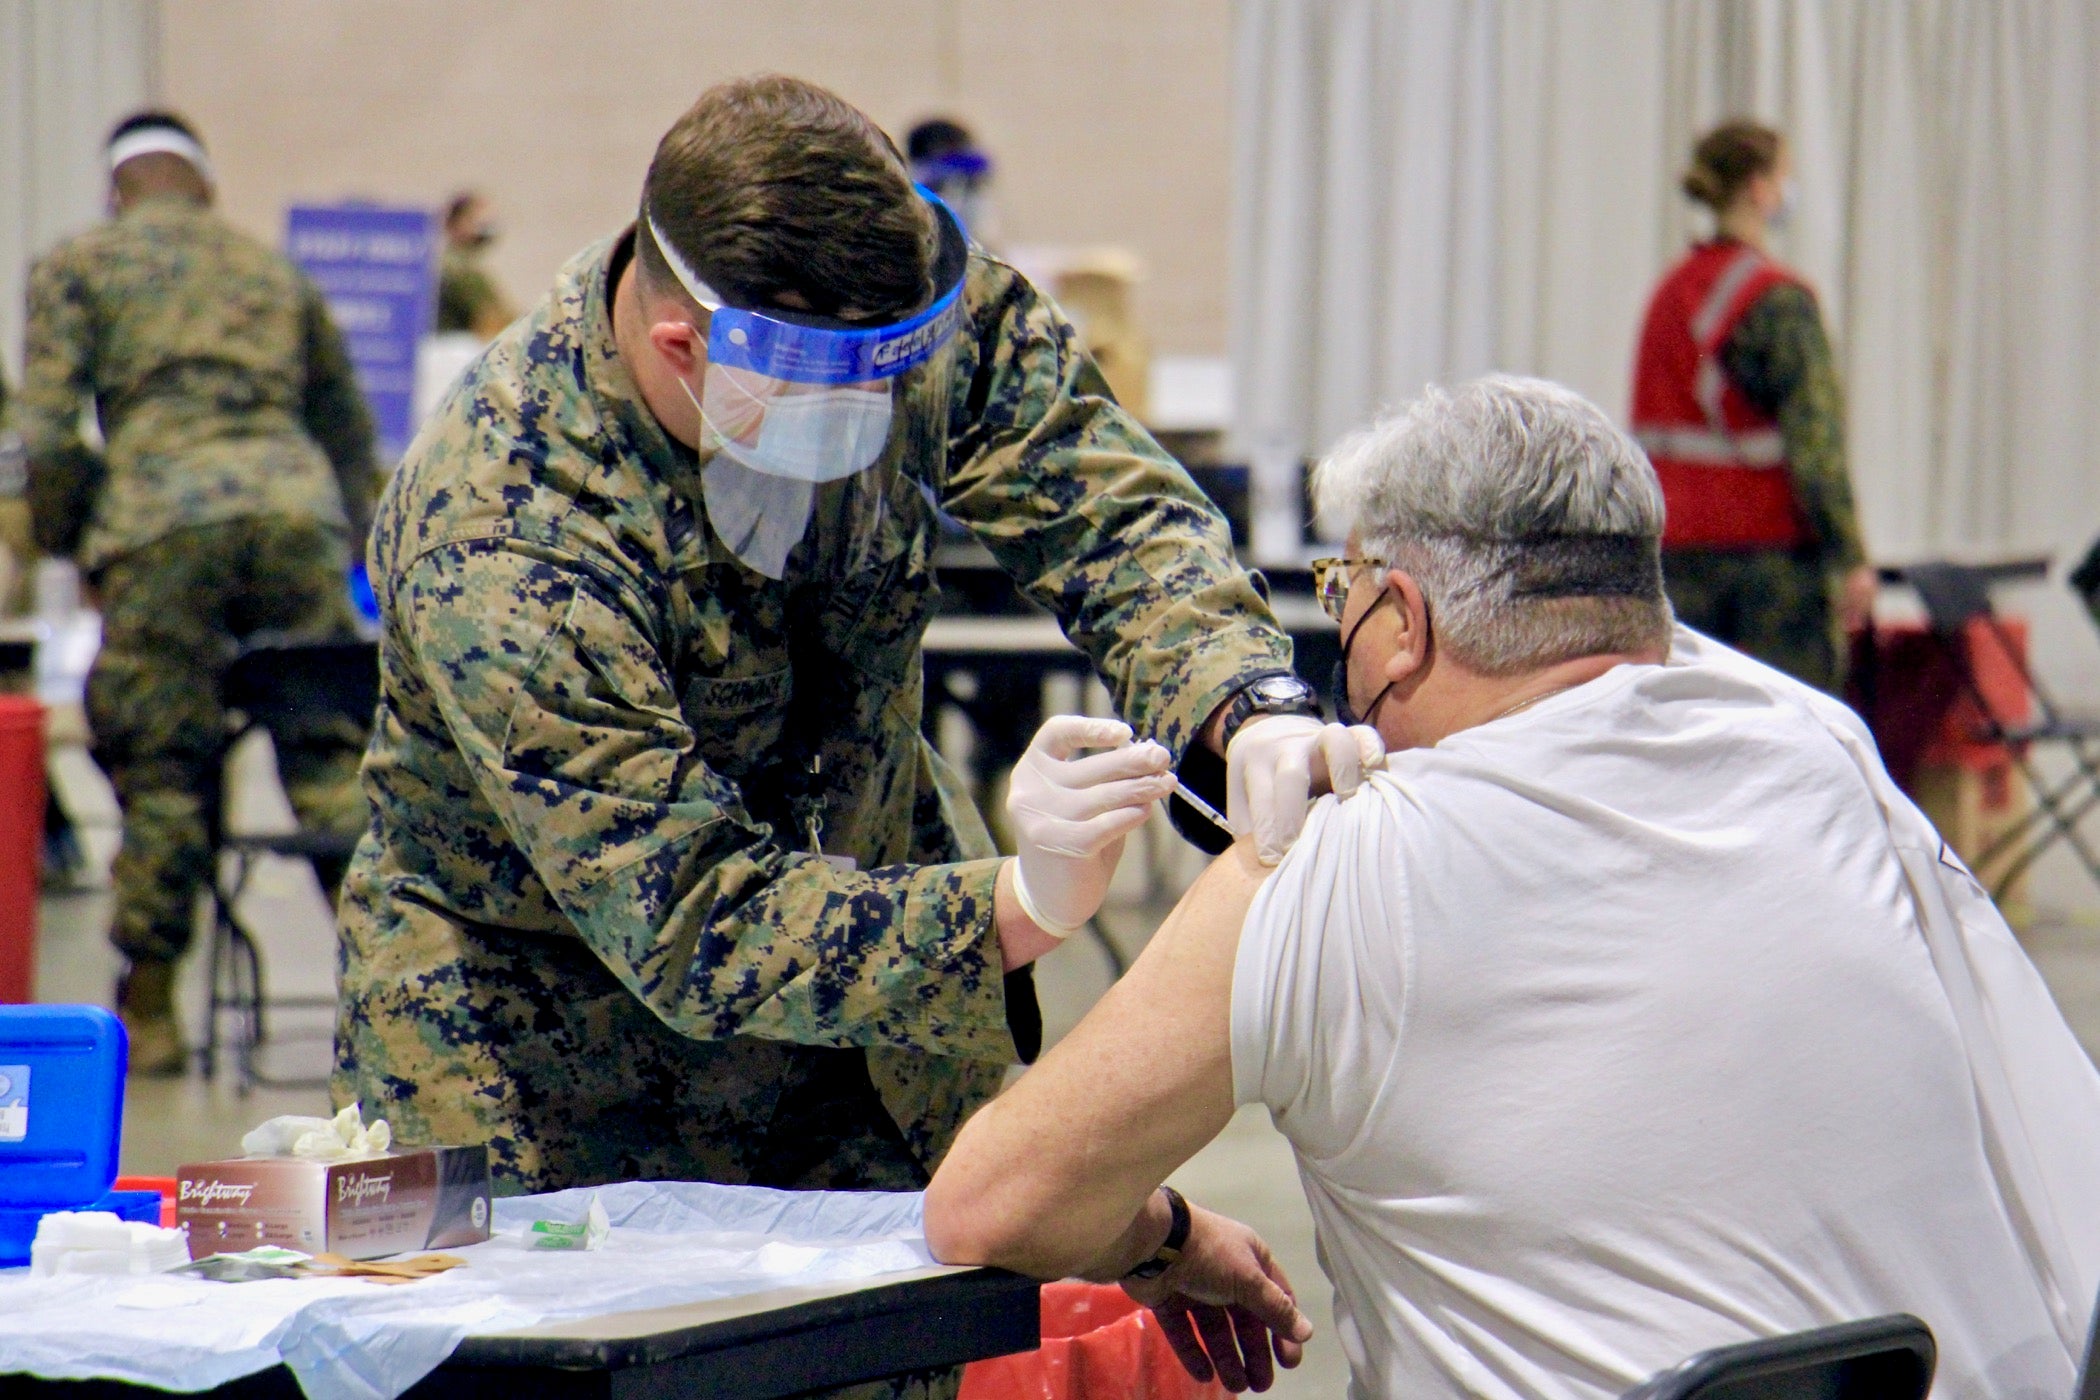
1203	809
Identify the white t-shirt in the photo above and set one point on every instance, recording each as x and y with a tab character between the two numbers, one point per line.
1608	1032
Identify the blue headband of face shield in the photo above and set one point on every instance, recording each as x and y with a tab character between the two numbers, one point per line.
798	352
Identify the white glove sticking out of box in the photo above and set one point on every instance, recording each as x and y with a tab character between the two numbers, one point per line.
336	1139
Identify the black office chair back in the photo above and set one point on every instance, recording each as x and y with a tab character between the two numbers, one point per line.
1956	595
279	684
1953	595
2085	579
1881	1358
2089	1373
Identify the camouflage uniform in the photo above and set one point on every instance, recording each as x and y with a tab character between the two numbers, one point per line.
585	928
467	297
1779	606
238	457
16	537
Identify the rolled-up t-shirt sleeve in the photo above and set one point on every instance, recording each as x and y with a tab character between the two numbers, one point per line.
1317	986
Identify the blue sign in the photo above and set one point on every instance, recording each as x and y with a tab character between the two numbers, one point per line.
378	269
14	1102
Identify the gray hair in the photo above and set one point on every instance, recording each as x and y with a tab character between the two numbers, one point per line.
1531	522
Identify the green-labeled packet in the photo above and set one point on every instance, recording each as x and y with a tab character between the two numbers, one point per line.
588	1233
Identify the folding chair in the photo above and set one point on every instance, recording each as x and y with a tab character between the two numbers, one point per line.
1956	595
1881	1358
272	686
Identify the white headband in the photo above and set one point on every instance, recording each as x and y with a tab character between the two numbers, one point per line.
158	140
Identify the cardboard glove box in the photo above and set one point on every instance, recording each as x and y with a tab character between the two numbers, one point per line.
416	1198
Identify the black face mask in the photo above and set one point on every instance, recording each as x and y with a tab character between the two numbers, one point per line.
1338	684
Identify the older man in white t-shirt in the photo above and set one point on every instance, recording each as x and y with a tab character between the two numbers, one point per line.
1631	1012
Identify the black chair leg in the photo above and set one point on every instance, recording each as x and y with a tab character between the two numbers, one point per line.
208	1053
2064	822
234	979
247	955
2049	827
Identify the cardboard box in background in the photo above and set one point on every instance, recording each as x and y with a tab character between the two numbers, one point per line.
1097	288
1973	805
418	1198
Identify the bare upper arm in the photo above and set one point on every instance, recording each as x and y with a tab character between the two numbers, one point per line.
1142	1083
1165	1029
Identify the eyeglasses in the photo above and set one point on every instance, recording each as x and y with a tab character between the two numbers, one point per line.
1331	581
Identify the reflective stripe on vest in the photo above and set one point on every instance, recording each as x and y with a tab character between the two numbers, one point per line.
1707	322
1756	451
1721	447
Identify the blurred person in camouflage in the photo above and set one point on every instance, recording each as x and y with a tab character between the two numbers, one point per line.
663	881
236	469
1736	401
65	867
16	537
468	298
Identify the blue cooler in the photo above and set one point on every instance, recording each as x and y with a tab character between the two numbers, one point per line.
61	1114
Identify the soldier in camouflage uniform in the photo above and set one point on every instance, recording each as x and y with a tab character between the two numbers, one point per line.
587	927
468	298
16	537
1786	605
237	466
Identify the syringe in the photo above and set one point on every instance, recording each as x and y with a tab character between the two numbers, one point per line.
1203	809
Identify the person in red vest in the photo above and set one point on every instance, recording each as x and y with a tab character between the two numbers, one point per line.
1736	400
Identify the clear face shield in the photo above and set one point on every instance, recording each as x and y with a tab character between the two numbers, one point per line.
806	416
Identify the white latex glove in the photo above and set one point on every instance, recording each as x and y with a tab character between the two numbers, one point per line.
1070	814
1277	764
321	1139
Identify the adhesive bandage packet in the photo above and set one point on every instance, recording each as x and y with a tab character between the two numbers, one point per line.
587	1233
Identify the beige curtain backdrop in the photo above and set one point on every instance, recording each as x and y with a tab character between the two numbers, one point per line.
69	69
1946	151
1108	121
1432	188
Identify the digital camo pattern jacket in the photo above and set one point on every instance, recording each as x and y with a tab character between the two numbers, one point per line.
585	927
1780	358
222	387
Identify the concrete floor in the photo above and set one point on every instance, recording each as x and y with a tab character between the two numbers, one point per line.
1247	1172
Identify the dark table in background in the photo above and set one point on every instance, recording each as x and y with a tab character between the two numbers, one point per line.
989	650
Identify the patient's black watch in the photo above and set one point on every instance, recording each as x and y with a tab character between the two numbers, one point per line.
1169	1248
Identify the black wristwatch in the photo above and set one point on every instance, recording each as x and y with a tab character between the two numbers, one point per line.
1170	1247
1270	695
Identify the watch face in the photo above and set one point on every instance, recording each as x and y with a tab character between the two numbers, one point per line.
1281	689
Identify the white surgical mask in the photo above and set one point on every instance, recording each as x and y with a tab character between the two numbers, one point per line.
818	436
1789	203
822	435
